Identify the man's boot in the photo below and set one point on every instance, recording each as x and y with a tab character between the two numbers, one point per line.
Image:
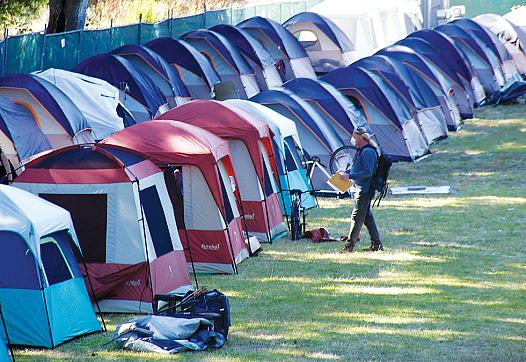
375	246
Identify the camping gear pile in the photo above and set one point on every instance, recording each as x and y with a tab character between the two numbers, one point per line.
197	321
184	155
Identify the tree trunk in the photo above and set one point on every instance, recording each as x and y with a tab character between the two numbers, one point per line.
66	15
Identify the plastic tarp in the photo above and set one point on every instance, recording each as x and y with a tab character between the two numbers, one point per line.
95	98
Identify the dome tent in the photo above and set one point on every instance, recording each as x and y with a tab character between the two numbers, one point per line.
55	114
197	73
326	44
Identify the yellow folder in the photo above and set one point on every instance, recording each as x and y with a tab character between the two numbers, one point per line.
339	182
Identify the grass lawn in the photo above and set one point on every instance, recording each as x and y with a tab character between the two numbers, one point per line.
449	286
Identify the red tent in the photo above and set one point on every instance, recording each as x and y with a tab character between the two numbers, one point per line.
250	142
124	219
199	175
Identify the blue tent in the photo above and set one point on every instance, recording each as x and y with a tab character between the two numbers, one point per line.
502	61
42	291
441	88
166	77
448	77
122	73
198	74
282	46
326	44
318	138
397	134
424	104
20	136
480	63
453	55
483	38
331	104
226	59
4	347
254	52
55	114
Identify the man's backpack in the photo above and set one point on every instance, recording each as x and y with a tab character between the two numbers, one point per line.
380	177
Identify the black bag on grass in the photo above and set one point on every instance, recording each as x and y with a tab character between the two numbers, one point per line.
212	305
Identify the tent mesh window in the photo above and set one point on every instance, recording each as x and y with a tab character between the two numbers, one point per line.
269	190
226	203
157	226
289	160
18	268
89	215
174	184
55	266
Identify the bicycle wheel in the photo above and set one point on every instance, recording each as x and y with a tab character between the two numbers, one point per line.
341	159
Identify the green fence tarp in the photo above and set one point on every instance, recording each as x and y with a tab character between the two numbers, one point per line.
93	42
217	17
23	53
31	52
61	49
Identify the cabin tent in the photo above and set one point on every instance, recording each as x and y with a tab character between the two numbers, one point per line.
425	106
96	99
287	148
511	36
254	52
53	112
282	45
318	138
165	77
440	86
480	63
371	24
196	71
326	44
42	290
124	220
253	161
461	92
199	177
226	60
20	137
517	17
399	137
135	83
457	60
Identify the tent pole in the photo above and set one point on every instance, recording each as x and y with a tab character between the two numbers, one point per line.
269	237
148	271
6	334
190	254
93	292
234	265
47	317
245	224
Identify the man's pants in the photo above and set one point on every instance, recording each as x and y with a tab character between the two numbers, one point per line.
361	214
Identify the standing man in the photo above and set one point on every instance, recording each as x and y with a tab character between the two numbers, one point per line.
362	172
